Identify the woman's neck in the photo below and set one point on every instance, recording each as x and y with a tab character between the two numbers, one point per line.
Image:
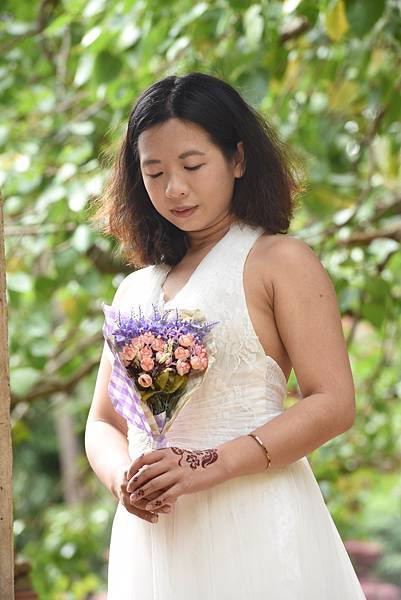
203	239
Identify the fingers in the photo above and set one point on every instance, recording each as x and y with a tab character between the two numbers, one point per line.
139	511
164	509
144	475
155	484
148	458
168	496
143	514
142	502
146	514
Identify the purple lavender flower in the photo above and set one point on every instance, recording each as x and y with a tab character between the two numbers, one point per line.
130	325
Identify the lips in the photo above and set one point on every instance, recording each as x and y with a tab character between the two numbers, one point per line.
181	208
182	211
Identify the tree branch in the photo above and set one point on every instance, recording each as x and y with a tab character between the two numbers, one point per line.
299	27
42	229
105	263
62	355
363	238
56	385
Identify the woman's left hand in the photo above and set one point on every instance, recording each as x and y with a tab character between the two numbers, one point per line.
173	472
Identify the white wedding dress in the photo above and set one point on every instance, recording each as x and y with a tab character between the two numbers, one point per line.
267	536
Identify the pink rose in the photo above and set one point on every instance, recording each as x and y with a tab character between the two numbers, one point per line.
182	367
186	340
128	353
137	342
145	380
145	352
200	350
181	353
196	363
158	344
199	363
147	363
204	362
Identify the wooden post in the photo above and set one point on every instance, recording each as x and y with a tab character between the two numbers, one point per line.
6	506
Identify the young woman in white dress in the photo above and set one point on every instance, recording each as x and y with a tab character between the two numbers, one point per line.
201	198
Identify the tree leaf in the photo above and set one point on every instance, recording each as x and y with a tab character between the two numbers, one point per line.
107	67
19	282
162	379
336	21
253	25
146	395
363	14
174	383
84	69
22	379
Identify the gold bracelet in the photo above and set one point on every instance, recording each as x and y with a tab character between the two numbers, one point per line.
259	441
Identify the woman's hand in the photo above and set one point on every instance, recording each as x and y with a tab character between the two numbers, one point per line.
123	496
159	477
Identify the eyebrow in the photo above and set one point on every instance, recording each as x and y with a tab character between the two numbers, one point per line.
152	161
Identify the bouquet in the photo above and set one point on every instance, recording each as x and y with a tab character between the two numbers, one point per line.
160	360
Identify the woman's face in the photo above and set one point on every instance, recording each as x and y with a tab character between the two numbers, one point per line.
181	167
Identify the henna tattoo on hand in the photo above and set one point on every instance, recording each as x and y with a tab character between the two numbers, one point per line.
196	458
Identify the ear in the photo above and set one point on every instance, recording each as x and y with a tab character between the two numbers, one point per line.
239	161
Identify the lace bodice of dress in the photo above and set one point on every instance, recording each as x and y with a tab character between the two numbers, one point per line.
244	387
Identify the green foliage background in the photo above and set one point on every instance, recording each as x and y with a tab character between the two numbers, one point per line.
327	75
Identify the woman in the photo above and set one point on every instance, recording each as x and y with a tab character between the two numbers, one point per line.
201	198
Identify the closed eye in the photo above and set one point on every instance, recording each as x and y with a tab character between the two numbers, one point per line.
188	169
194	168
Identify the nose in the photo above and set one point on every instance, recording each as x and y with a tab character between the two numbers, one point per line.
175	188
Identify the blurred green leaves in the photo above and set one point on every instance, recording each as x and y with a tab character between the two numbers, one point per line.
336	21
326	74
363	15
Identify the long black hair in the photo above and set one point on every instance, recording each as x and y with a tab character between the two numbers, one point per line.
265	195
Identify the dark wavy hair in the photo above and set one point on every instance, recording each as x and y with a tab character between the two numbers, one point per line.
265	195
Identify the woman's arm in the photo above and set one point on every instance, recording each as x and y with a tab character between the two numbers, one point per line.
106	443
309	324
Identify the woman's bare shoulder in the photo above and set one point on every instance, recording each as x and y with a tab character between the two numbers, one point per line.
279	255
283	245
132	279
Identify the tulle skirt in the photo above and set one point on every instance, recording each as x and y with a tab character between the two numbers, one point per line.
267	536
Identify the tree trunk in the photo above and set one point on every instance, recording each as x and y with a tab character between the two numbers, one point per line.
69	451
6	507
